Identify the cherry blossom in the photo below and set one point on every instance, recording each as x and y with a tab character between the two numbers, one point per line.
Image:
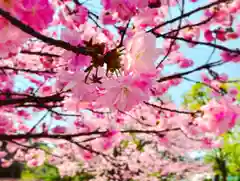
142	47
37	13
35	158
5	123
221	118
95	87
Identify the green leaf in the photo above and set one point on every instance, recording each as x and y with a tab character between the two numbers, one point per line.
27	175
124	143
155	174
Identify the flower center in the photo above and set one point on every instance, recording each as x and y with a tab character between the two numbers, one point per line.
34	10
139	55
125	91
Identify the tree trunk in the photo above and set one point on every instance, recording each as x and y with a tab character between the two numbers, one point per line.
224	177
224	171
216	178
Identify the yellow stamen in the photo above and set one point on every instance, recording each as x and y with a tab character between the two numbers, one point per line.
139	55
125	91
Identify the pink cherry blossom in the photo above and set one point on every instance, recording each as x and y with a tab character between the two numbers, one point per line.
119	94
148	17
5	123
142	53
230	57
70	170
232	36
208	34
81	16
221	35
185	63
154	3
35	158
205	78
107	18
124	8
37	13
233	91
191	34
87	155
59	130
99	86
218	117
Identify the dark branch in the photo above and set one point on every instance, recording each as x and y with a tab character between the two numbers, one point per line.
5	137
39	53
27	70
58	43
180	75
186	15
26	99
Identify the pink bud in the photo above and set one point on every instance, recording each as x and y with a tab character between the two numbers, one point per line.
185	63
87	155
223	77
221	35
107	18
59	130
205	78
233	91
208	35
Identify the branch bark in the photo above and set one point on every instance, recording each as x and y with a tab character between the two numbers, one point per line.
29	30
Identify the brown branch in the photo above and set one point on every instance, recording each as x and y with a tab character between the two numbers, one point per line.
189	26
9	137
180	75
186	15
176	35
171	110
34	147
220	47
205	84
34	127
107	157
27	70
32	99
39	53
136	119
123	33
94	21
29	30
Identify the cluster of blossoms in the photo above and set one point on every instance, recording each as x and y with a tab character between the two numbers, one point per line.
37	14
101	95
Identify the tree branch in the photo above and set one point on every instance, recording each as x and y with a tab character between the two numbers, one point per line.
58	43
31	99
180	75
27	70
186	15
39	53
9	137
